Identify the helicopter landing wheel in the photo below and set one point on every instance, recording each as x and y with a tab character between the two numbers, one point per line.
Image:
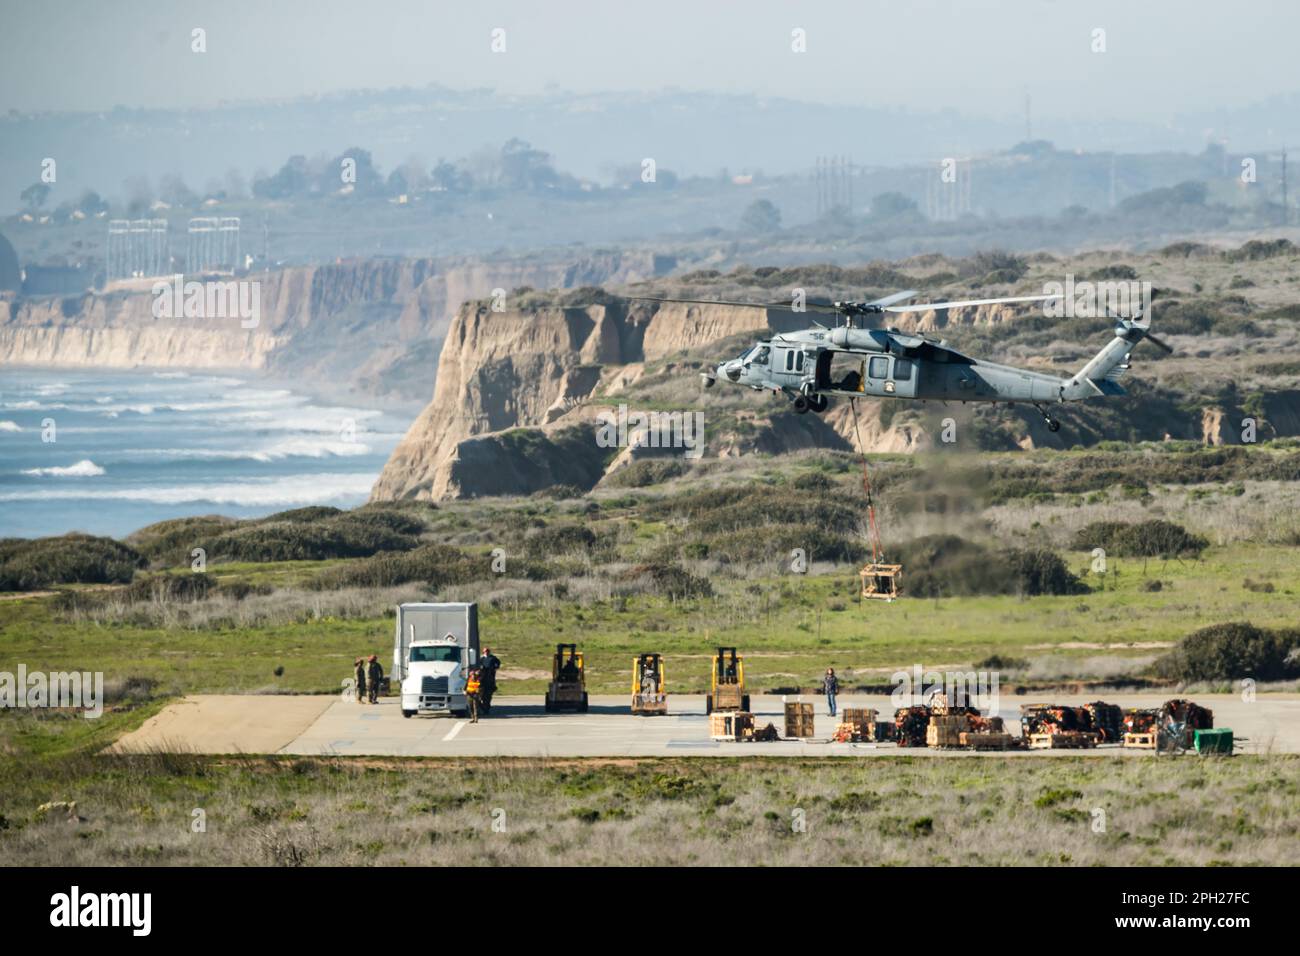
819	403
800	404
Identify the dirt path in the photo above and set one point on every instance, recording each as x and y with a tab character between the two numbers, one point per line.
220	724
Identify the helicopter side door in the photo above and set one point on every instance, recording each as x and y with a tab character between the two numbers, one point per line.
788	365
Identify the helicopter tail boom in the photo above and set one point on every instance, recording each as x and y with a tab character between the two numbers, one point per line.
1101	374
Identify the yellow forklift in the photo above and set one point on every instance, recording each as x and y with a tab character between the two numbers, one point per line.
727	687
649	691
568	687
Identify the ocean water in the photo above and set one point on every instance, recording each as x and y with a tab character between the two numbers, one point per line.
132	448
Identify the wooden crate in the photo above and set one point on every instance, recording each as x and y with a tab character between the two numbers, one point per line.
731	725
858	716
945	730
991	740
1141	741
882	581
799	720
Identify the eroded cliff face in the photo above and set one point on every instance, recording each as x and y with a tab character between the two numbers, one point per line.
535	367
371	326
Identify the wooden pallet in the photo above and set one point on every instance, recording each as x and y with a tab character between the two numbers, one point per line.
1070	740
986	741
881	581
1141	741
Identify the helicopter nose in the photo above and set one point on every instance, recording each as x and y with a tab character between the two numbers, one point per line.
732	371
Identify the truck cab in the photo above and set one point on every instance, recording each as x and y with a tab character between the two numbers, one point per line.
435	646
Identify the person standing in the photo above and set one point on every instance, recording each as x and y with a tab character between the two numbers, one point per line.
488	665
831	687
359	675
374	676
473	687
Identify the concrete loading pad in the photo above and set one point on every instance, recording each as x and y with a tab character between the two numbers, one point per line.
519	727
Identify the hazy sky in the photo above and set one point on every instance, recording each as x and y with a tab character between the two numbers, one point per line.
1162	56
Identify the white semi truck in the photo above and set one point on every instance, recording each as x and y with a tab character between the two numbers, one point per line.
435	646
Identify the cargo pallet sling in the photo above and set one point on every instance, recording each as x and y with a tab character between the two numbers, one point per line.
880	580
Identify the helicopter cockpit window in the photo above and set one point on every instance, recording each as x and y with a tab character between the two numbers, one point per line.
879	367
902	369
762	356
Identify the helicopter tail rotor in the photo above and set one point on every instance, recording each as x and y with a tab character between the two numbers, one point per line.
1136	329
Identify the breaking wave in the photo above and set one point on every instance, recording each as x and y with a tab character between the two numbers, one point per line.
82	469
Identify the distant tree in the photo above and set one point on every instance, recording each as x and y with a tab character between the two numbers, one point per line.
892	206
761	217
139	196
1183	194
91	203
408	178
450	177
34	196
525	168
173	191
364	176
292	179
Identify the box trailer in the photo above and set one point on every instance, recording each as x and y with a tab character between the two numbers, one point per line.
433	650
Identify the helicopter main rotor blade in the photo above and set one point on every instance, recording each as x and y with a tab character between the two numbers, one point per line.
933	306
896	297
787	306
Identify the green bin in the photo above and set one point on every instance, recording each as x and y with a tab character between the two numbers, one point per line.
1217	741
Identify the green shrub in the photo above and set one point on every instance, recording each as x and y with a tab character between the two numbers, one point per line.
673	581
27	564
950	566
433	564
169	543
559	539
1233	651
1145	539
648	471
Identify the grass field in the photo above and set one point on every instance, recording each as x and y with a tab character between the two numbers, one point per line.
790	628
178	810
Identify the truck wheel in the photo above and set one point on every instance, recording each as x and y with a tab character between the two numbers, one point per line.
408	713
744	703
708	703
582	708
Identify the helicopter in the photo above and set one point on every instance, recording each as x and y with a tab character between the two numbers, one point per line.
810	366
